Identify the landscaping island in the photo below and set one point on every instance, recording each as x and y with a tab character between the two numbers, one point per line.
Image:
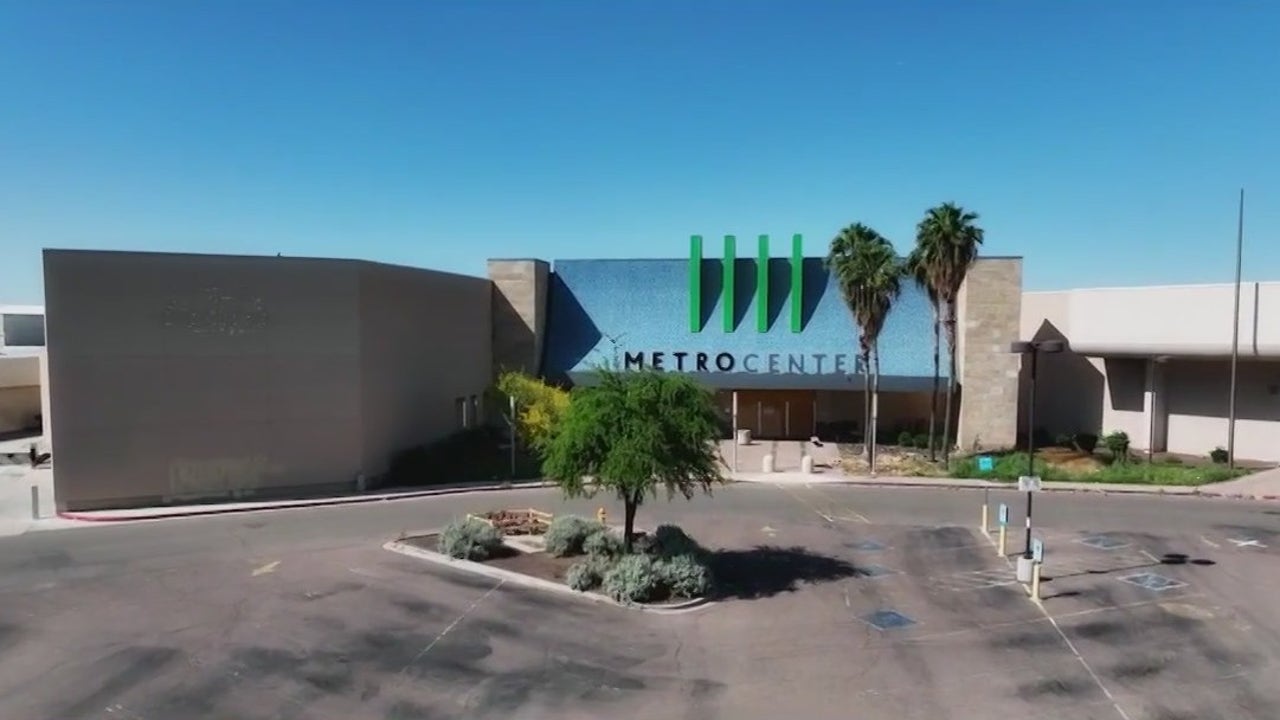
664	567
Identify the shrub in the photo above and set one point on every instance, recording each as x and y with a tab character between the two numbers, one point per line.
539	407
1086	442
634	578
906	439
1063	440
684	576
1117	443
922	441
586	574
669	541
602	544
567	533
1218	455
469	539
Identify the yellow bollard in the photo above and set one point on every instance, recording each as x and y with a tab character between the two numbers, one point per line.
986	516
1000	547
1035	582
602	516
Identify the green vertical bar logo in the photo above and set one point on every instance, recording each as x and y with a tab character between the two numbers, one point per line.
730	257
695	283
762	285
797	283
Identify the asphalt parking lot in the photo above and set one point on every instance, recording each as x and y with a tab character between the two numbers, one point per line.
837	603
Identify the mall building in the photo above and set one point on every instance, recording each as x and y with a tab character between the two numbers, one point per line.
179	377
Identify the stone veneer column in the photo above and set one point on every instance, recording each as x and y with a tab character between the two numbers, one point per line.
519	313
988	320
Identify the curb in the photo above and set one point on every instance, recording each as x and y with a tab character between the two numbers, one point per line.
294	504
399	546
1203	491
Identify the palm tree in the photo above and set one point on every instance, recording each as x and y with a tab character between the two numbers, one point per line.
947	241
869	273
918	271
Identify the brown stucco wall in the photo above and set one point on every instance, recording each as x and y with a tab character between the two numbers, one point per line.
425	343
177	377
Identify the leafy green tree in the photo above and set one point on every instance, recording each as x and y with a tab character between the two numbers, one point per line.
947	242
869	273
918	271
632	433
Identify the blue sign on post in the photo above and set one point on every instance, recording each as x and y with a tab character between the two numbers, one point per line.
1003	515
986	463
1037	550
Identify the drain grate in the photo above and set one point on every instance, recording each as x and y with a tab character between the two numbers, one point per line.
873	571
1103	542
887	620
1153	582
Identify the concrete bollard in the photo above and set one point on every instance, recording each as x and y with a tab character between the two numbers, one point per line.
35	502
1035	583
767	464
986	518
1001	544
806	464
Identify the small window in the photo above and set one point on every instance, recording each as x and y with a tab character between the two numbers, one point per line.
460	410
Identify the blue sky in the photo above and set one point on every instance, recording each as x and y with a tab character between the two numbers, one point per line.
1104	141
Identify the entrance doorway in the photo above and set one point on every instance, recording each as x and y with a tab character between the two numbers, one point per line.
778	414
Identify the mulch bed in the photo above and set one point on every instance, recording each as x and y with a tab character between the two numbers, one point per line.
517	522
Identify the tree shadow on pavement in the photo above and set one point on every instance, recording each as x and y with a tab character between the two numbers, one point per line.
766	570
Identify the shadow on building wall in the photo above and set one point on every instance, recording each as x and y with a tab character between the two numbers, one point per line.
1128	384
744	290
1202	388
1069	394
712	285
816	280
571	333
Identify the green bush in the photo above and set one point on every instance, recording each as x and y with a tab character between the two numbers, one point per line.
586	574
602	544
906	439
1086	442
539	407
567	533
669	541
1218	455
684	576
634	578
921	441
469	539
1010	466
470	455
1117	443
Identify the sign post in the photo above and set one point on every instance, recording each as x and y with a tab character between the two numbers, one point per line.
1029	484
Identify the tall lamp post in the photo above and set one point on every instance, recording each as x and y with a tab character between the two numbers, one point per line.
1031	349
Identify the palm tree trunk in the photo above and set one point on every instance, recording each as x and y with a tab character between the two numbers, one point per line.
866	402
875	406
951	381
933	402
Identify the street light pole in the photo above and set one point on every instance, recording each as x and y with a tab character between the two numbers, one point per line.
1033	348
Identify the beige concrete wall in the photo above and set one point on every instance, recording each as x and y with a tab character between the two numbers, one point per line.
425	341
180	376
1197	398
1071	395
989	317
19	407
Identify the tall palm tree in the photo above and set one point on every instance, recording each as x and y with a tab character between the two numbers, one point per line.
869	273
947	241
917	269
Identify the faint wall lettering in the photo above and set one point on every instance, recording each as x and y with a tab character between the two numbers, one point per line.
216	312
215	476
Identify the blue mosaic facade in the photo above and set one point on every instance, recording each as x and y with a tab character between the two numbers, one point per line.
602	310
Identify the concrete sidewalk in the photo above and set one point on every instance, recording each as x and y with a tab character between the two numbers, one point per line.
175	511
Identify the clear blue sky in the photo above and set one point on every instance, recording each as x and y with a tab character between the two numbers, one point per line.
1104	141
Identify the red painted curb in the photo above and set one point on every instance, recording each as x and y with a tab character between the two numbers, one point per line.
216	510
